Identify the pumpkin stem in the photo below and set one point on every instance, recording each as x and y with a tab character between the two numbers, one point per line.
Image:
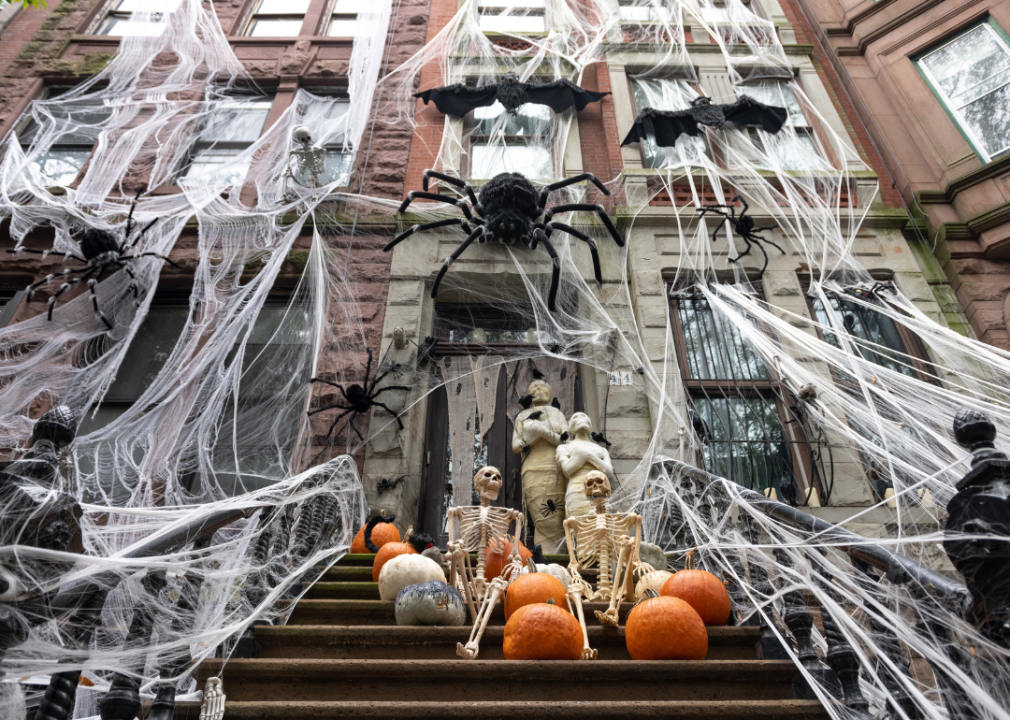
530	565
650	593
550	601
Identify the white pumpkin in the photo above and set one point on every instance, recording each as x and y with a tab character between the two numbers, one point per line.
554	570
651	581
404	570
431	603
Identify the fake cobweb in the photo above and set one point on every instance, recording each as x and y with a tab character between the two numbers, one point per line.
222	420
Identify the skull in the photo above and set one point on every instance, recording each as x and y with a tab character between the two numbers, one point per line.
301	135
487	482
597	485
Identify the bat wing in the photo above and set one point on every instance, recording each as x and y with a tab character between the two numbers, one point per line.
458	100
749	112
561	95
664	125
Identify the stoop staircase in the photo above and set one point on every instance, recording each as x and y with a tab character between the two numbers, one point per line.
341	655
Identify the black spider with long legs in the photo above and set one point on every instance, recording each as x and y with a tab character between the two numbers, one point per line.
101	253
508	210
361	398
743	226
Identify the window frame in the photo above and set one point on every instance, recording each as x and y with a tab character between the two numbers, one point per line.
955	115
803	469
540	5
112	13
714	153
809	130
339	94
332	15
255	16
469	135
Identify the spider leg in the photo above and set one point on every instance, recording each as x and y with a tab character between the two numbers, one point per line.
570	181
452	258
129	217
770	242
335	421
94	303
387	409
452	181
327	382
555	272
355	427
725	219
390	387
418	228
52	301
44	252
328	407
746	207
141	234
133	285
368	367
598	209
414	194
586	239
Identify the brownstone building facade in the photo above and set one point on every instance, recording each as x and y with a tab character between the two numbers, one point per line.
928	80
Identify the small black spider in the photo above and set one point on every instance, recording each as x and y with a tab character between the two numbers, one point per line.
549	507
507	211
361	398
743	225
101	253
873	291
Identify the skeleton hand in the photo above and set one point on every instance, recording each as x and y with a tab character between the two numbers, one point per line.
608	618
589	654
213	700
468	651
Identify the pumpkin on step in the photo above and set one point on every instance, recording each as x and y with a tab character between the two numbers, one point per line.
404	570
533	587
703	591
430	603
542	631
497	557
665	628
378	531
386	553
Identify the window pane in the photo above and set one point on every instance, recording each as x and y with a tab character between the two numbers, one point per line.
150	349
528	120
715	351
869	325
209	168
989	119
778	94
337	167
350	7
512	23
343	26
645	13
241	122
124	27
668	95
967	67
531	161
147	5
275	28
60	167
283	7
746	443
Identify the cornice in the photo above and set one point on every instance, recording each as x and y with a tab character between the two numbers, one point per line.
966	181
888	27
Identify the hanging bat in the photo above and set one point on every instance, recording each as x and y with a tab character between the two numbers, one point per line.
512	93
668	125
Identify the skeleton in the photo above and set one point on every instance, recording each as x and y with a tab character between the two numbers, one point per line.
213	700
309	160
594	540
478	526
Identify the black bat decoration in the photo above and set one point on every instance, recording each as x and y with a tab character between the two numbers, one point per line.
555	404
535	415
526	401
600	439
512	93
668	125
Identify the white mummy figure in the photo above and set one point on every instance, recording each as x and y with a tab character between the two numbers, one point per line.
577	458
479	526
595	540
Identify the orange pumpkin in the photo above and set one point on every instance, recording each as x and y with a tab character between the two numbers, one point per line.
665	628
703	591
383	532
542	631
533	587
497	557
387	552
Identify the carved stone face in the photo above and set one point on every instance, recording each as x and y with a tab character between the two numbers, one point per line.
597	485
580	421
541	392
487	482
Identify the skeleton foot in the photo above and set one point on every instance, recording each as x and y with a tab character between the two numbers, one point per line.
589	654
468	651
608	618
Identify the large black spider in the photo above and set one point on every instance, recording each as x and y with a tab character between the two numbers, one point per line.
101	253
508	209
361	398
743	225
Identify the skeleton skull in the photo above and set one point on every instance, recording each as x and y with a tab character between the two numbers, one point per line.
302	135
488	482
597	485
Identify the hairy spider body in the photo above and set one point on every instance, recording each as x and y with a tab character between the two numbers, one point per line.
101	253
359	399
510	210
743	225
549	507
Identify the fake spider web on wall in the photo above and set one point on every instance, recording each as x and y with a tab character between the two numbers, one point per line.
184	441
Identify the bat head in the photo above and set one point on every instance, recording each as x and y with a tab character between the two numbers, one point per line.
511	92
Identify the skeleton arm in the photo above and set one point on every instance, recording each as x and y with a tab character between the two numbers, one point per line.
576	590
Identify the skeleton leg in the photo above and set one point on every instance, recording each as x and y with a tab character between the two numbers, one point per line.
458	570
470	650
611	616
575	591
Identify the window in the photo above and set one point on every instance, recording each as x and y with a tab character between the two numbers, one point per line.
668	95
483	325
119	20
877	337
512	16
344	19
76	124
230	130
511	143
278	18
748	432
795	150
329	120
971	76
649	11
10	299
